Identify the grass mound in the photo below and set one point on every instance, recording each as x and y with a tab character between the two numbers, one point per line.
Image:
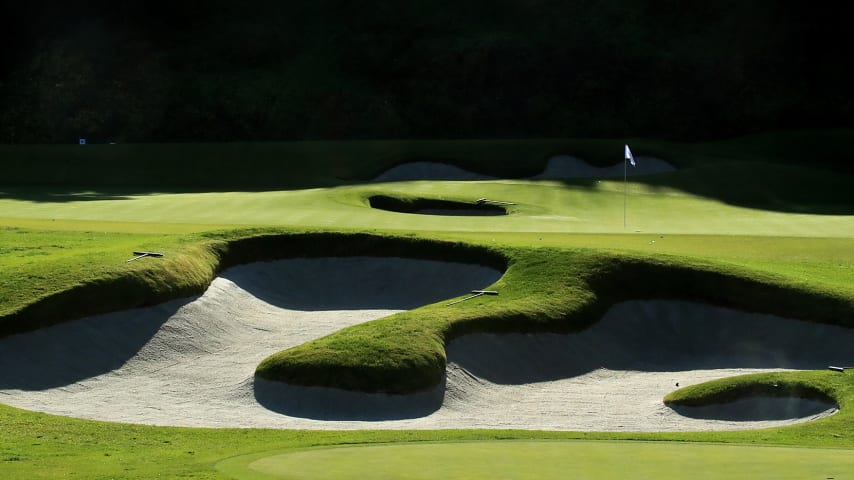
405	353
727	390
191	263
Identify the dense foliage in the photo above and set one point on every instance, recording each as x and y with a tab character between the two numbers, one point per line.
266	70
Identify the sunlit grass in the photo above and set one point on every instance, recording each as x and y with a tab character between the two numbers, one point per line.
564	239
520	460
541	207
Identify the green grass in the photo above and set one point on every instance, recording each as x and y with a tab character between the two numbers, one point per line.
704	233
542	207
42	446
830	387
543	290
522	460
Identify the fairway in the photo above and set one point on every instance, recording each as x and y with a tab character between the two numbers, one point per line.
526	460
513	240
306	322
542	206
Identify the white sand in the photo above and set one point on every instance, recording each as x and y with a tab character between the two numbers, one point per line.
191	362
557	167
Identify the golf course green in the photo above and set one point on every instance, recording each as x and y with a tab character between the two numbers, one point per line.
554	459
740	223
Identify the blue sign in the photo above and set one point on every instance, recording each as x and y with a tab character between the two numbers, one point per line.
82	141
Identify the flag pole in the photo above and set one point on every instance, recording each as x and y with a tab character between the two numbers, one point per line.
625	187
627	157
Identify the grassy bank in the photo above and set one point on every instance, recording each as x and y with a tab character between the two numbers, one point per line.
544	289
699	234
815	385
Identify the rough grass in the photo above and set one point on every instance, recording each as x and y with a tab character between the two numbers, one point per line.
544	289
560	274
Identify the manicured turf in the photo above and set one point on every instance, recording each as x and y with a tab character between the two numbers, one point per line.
542	207
524	460
735	225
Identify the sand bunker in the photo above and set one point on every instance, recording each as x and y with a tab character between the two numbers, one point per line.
191	362
426	206
557	168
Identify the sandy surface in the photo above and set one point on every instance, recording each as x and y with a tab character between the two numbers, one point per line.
557	167
191	362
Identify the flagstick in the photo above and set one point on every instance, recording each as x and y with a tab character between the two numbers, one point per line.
625	189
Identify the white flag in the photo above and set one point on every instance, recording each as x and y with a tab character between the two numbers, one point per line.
629	156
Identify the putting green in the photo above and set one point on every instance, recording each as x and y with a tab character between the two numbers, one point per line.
545	459
541	207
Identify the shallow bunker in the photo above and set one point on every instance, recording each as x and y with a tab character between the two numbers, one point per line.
615	373
191	362
426	206
760	407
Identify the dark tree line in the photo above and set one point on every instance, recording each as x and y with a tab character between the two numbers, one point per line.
268	70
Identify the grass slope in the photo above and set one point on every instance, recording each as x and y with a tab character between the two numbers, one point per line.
564	247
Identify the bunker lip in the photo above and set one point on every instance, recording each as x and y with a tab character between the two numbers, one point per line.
333	404
426	206
197	368
759	407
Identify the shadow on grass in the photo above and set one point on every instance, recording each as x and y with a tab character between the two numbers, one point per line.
772	187
60	196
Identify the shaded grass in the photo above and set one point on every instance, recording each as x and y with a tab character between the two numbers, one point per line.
541	207
791	171
188	167
812	278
